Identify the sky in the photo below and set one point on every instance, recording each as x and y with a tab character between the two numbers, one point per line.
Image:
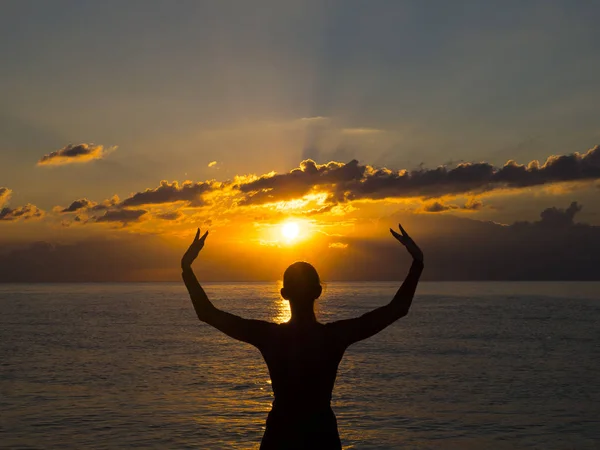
126	125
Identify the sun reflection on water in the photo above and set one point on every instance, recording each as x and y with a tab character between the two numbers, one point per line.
281	310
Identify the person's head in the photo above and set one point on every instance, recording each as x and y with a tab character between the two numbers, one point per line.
301	283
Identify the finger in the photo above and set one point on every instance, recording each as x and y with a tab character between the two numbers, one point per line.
203	238
404	233
396	235
197	235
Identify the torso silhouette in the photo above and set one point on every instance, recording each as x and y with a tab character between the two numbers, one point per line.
302	359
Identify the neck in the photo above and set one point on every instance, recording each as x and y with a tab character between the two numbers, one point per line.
302	312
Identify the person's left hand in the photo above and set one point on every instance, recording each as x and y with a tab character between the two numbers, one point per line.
192	253
407	241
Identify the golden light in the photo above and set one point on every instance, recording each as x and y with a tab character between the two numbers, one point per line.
290	230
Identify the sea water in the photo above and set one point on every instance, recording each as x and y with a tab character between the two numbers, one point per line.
473	366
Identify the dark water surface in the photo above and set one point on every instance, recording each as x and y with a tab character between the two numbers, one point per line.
473	366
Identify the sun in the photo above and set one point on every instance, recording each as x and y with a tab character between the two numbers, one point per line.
290	230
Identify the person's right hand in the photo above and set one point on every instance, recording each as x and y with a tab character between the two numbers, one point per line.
407	241
192	252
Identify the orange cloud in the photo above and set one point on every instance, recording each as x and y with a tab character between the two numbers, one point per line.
75	154
26	212
5	194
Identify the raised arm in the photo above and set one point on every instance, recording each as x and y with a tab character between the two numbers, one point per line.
254	332
353	330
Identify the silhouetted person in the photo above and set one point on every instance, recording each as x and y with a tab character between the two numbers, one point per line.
302	355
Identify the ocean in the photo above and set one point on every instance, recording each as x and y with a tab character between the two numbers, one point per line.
128	365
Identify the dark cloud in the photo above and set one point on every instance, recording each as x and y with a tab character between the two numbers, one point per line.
75	154
353	181
188	192
556	217
439	206
458	248
173	215
123	216
26	212
169	193
83	203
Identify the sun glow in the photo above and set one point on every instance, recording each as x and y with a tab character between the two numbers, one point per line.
290	230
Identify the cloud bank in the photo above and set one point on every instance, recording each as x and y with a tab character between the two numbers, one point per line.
336	183
188	193
75	154
354	181
555	247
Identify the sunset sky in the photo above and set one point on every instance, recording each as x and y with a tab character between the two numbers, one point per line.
299	130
